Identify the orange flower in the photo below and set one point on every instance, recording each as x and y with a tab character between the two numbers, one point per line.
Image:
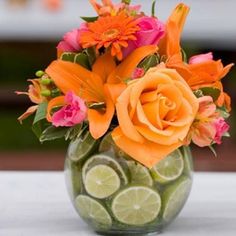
103	84
170	44
155	114
34	93
110	32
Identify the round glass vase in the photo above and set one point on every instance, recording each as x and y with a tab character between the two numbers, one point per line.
116	195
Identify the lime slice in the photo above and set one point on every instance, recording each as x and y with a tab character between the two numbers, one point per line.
104	160
139	174
168	169
81	147
101	181
92	210
174	198
136	205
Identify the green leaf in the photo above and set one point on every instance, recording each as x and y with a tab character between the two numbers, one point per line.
184	55
223	112
213	150
39	126
89	19
91	53
198	93
73	132
126	1
52	133
209	91
68	56
153	8
148	62
97	106
227	134
83	60
41	112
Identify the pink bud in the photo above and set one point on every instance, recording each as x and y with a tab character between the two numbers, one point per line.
221	128
201	58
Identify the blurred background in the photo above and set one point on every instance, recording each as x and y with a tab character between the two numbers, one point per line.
29	33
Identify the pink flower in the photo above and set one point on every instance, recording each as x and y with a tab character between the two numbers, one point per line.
201	58
74	112
70	42
221	128
138	73
151	32
203	130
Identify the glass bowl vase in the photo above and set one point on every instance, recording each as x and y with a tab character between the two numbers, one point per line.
116	195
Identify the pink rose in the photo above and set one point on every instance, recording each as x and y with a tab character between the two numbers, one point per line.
70	42
150	33
74	112
221	128
201	58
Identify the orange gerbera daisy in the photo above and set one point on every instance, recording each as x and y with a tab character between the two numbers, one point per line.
110	32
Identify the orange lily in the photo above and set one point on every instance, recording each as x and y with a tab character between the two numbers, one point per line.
103	84
170	44
34	93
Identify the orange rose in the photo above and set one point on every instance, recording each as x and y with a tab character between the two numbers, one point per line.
155	114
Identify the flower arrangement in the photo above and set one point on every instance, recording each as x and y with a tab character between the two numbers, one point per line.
126	72
124	92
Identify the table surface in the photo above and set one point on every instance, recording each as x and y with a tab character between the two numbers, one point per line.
36	203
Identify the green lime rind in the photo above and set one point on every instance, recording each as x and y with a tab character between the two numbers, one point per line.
139	174
101	181
73	178
174	198
105	160
168	169
136	205
82	147
93	211
188	163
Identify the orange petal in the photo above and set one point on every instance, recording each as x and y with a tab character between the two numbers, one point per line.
104	65
148	153
170	44
126	68
55	102
28	112
99	121
122	109
226	70
69	76
115	90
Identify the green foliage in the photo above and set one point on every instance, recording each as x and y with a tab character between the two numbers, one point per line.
79	58
148	62
89	19
83	60
52	133
40	123
223	112
184	55
210	91
153	8
68	56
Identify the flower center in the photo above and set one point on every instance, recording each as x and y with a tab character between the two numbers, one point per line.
110	34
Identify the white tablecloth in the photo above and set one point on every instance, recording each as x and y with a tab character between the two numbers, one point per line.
37	204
